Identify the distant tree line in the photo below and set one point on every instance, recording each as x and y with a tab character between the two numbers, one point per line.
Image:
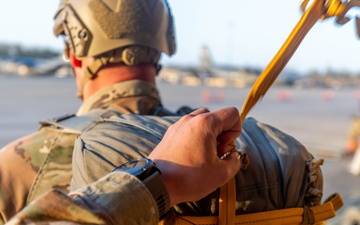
34	52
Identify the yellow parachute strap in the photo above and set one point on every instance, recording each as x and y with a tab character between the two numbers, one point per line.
227	203
291	216
317	10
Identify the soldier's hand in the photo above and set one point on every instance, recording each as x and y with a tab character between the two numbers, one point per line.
189	154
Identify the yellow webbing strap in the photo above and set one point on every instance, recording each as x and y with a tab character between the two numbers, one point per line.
313	215
227	203
273	69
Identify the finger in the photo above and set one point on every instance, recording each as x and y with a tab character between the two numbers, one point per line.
228	137
199	111
224	150
232	164
226	119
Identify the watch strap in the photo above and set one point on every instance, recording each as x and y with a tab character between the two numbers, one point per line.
157	188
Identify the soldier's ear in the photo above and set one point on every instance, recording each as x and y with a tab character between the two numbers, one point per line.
74	61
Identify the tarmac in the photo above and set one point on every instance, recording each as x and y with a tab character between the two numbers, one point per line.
339	180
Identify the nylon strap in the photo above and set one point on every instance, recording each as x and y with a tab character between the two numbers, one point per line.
271	72
263	83
289	216
227	203
287	50
90	72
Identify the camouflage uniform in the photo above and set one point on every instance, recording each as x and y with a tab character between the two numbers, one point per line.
42	161
94	204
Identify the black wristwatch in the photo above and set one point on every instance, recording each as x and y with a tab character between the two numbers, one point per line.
149	174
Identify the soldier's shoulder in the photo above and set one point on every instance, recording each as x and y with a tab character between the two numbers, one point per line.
54	120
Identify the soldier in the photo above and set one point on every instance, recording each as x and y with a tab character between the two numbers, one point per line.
119	41
114	50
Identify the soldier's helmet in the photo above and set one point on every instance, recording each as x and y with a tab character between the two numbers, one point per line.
129	31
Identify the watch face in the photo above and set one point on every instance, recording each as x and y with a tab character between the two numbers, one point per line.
136	167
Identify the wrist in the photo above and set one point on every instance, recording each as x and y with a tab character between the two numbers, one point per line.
168	180
146	171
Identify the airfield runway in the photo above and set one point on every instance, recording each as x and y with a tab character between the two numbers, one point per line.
319	118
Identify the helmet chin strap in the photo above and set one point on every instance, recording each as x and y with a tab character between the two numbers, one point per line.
76	63
131	56
90	73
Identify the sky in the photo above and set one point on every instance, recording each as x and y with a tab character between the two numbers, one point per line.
237	32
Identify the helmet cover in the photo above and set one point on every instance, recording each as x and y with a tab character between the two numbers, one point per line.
95	27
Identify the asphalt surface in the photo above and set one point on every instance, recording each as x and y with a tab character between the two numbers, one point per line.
339	180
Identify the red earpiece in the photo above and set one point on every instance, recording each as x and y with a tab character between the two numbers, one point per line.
74	61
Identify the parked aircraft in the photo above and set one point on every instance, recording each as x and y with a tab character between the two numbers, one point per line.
28	66
208	74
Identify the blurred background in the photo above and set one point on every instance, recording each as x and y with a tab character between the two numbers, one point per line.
237	33
222	47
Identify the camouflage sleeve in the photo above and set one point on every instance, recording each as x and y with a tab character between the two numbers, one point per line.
106	145
20	161
118	198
